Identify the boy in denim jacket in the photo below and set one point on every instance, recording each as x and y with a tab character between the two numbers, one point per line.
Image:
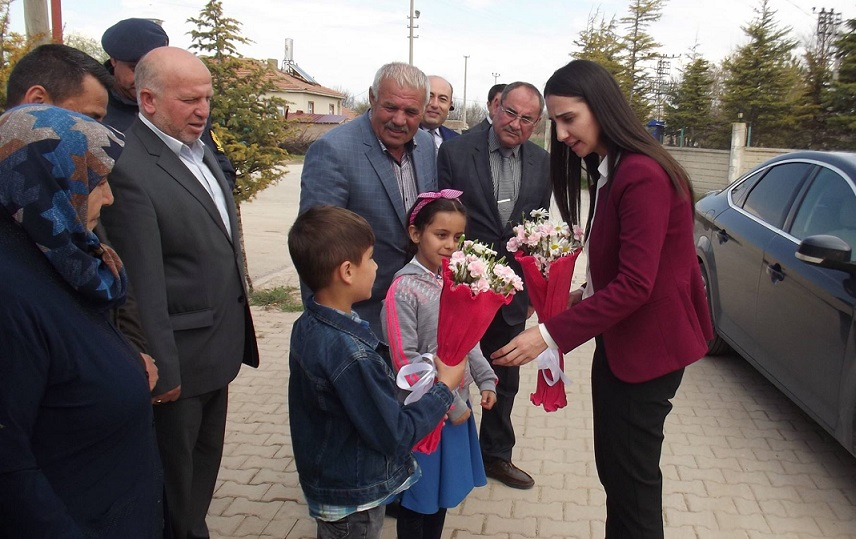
351	436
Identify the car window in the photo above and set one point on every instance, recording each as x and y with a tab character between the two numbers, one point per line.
739	191
771	198
829	207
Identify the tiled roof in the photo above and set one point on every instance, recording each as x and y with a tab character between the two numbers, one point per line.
318	118
286	83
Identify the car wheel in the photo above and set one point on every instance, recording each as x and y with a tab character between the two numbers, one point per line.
716	346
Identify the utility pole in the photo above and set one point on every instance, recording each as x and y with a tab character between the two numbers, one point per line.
495	76
414	14
827	31
465	88
37	21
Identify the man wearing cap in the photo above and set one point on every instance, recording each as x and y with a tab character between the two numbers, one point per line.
126	42
439	105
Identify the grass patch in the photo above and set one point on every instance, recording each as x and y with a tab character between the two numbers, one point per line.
284	298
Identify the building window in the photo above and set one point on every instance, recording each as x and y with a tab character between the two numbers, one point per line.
332	109
311	107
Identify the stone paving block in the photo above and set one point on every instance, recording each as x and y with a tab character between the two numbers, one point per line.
284	493
269	463
716	504
252	450
564	529
236	475
223	526
748	507
743	522
780	525
237	490
523	526
534	508
706	519
704	533
243	506
252	526
471	523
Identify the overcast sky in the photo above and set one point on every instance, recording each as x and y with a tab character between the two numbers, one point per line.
342	42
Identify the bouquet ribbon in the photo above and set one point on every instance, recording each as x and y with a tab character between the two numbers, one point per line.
425	372
548	362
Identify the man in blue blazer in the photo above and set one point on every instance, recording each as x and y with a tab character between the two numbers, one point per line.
473	163
375	166
439	105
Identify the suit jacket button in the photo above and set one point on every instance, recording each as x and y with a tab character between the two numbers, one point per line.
241	299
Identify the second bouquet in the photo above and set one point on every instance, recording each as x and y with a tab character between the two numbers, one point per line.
547	252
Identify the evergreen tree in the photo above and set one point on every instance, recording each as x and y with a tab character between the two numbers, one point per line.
640	50
840	101
689	106
247	122
600	43
763	83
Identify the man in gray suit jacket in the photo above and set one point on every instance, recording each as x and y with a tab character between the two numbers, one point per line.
375	166
504	176
175	224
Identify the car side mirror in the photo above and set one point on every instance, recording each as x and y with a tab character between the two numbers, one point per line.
827	252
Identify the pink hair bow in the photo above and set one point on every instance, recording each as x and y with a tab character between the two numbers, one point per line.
428	196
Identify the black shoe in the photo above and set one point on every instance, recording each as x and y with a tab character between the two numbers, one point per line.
509	474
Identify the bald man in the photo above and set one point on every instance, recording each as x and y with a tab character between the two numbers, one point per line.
174	222
437	111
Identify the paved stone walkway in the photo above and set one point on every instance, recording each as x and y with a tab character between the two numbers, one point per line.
740	461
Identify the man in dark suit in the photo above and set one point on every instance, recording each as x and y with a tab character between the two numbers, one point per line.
375	166
174	222
493	96
439	105
504	176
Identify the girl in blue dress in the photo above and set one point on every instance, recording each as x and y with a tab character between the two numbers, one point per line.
409	317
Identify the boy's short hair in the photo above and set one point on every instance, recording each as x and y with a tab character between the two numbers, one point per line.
322	238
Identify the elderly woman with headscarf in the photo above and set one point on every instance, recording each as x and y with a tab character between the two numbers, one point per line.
77	449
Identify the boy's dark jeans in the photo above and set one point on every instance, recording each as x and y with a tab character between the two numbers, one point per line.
360	525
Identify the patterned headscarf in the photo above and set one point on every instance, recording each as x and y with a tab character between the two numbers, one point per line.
50	160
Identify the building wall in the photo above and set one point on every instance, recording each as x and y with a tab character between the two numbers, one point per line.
710	170
299	101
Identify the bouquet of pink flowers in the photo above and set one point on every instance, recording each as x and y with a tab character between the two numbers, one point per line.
475	286
547	252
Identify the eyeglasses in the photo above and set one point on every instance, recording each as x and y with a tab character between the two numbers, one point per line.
524	119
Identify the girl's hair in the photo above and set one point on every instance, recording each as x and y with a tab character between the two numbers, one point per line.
426	214
620	131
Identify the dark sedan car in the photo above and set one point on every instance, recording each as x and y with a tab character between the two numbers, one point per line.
775	252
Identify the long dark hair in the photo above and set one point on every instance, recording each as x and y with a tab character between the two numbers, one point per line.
620	132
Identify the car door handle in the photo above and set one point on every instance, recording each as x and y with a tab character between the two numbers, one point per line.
775	272
722	235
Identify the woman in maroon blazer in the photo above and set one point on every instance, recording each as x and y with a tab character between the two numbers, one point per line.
644	302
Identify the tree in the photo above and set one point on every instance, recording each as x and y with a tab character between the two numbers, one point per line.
89	45
839	100
639	49
763	83
689	106
599	43
246	119
12	47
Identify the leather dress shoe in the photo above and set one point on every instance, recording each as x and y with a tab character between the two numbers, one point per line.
509	474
